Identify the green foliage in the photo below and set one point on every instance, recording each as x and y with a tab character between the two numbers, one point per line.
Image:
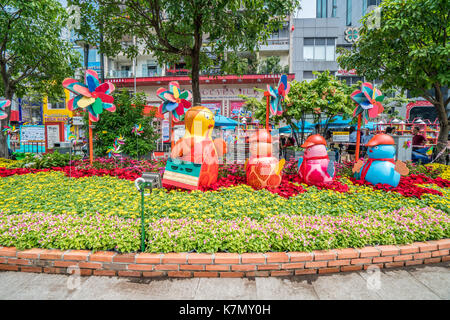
200	32
48	160
407	47
33	53
271	65
129	111
323	98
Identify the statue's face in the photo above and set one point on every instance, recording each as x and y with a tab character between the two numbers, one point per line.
381	151
317	150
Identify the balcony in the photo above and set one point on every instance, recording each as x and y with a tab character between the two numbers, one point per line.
120	74
129	74
275	44
177	72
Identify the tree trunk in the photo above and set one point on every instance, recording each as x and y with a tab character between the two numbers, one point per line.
195	56
197	99
441	109
3	138
443	133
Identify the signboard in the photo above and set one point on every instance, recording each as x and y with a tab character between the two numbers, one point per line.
32	134
342	72
52	135
55	118
165	130
178	132
236	105
341	136
215	107
77	121
351	34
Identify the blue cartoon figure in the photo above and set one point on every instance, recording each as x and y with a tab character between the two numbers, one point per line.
381	167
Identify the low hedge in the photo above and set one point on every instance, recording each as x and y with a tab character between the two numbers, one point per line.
279	233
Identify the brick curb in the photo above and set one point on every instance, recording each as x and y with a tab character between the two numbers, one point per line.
188	265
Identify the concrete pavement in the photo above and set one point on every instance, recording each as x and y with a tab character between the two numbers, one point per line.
427	282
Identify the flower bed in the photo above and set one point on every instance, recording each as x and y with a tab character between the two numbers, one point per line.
278	233
61	207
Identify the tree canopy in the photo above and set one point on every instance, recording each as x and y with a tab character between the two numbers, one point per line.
33	55
322	98
407	46
201	33
129	112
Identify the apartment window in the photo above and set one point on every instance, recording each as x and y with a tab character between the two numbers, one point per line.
351	80
93	55
56	104
349	13
307	75
333	10
150	69
368	3
373	3
322	8
319	49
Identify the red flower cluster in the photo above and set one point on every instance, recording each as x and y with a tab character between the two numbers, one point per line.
334	185
408	185
121	173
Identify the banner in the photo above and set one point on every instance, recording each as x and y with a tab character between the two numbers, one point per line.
32	133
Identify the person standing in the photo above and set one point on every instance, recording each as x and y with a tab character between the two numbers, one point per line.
365	137
418	139
351	148
283	141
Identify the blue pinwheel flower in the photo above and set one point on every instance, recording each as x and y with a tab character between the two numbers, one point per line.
174	100
368	101
277	96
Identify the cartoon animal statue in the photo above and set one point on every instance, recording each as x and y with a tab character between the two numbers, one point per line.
194	158
380	167
262	168
315	167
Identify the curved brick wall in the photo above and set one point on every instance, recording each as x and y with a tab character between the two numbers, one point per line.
106	263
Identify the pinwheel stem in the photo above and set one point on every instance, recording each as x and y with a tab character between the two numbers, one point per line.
267	95
91	147
358	137
172	142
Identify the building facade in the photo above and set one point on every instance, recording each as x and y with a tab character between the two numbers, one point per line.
321	26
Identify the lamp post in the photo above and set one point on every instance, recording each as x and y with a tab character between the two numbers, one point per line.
149	180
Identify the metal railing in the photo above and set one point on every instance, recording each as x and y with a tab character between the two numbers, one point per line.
28	147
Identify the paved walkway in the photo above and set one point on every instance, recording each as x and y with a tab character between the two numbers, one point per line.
430	282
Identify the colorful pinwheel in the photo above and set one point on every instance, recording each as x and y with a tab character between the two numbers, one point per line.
278	96
137	130
3	105
91	95
114	150
71	137
369	100
9	130
175	101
